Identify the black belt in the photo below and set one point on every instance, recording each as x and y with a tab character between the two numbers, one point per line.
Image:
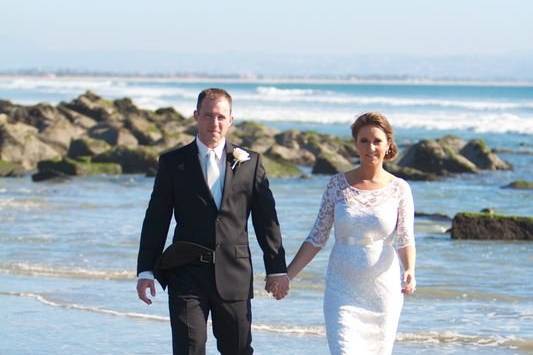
182	253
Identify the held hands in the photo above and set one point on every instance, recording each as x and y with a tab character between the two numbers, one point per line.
408	282
142	285
278	286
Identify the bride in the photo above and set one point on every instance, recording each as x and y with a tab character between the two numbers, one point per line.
367	206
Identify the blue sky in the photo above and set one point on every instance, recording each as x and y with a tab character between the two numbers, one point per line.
478	38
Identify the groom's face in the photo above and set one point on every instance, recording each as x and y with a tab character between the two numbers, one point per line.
213	120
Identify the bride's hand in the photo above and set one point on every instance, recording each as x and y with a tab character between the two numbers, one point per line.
409	282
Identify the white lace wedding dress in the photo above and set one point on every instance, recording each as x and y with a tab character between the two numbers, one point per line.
363	298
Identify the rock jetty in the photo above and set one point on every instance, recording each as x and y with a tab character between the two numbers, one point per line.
94	135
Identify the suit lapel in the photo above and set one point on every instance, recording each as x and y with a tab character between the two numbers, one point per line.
196	176
228	177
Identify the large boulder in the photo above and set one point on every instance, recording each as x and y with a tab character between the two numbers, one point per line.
453	142
76	118
42	116
48	175
346	148
318	143
488	226
296	156
166	114
253	135
113	134
326	153
6	107
520	185
432	156
173	127
289	139
144	131
314	141
126	107
39	116
330	162
174	140
480	154
92	105
288	147
87	146
8	169
276	167
19	143
409	173
73	167
60	133
449	154
133	161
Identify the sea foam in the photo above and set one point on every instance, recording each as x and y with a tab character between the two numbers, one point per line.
66	272
431	337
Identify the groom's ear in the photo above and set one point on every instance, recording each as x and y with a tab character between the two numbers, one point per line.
195	115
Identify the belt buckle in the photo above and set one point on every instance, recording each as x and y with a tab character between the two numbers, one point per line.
207	258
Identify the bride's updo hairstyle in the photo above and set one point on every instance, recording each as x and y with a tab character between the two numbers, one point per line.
379	120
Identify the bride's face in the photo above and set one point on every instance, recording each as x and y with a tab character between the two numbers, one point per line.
372	145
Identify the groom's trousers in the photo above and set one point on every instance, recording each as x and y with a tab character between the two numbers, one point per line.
192	297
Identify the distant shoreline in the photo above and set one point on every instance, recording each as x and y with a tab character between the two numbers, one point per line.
198	78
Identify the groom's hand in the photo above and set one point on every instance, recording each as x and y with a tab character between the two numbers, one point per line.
142	285
278	286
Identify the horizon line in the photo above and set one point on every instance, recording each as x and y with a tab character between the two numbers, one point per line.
258	77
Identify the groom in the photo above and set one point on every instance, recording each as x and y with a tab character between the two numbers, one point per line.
211	186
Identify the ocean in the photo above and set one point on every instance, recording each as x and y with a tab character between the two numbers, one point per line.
68	250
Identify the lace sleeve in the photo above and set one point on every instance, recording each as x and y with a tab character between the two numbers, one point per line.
406	218
324	221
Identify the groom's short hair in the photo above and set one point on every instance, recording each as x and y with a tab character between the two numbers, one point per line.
213	94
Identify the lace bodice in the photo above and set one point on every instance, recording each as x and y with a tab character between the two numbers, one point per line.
365	216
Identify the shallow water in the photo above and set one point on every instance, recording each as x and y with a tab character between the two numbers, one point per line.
68	250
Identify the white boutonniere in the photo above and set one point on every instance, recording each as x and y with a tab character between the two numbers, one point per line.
239	156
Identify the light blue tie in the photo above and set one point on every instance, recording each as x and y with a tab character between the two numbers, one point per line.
213	176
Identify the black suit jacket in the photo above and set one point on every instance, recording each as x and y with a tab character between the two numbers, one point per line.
180	187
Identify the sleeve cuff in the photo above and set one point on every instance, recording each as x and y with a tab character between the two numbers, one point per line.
145	275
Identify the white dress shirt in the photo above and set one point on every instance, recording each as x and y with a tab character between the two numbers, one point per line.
220	154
